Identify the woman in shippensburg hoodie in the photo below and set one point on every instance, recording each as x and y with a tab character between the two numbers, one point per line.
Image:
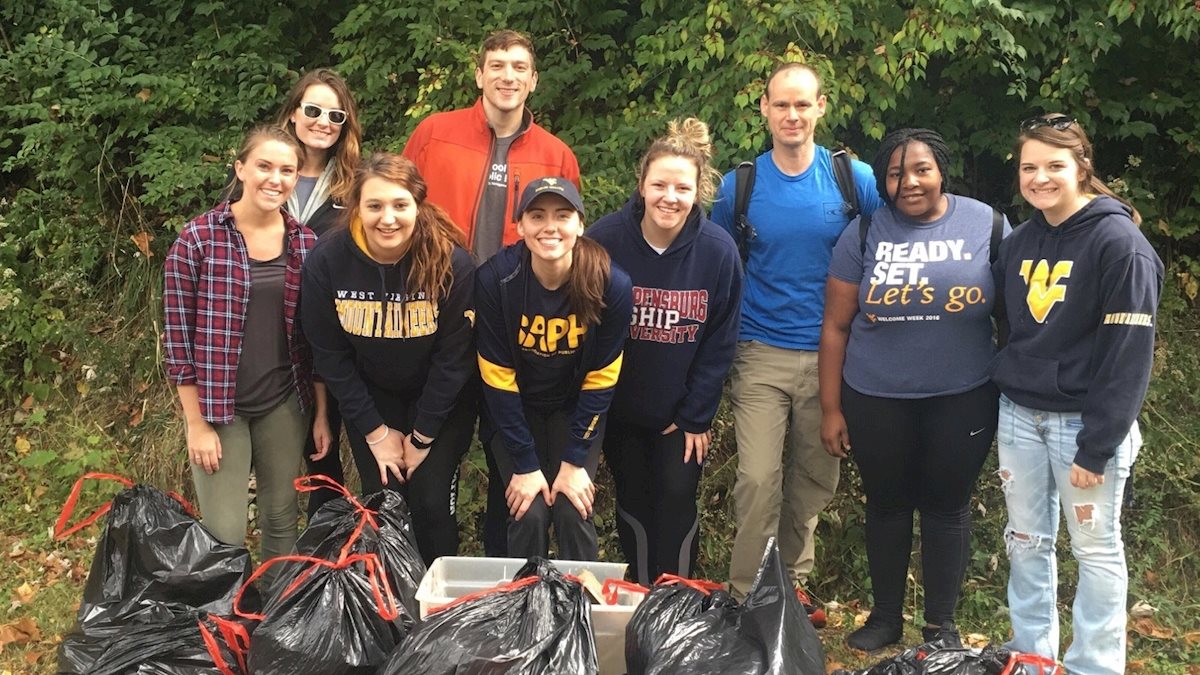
387	307
552	312
687	292
1080	287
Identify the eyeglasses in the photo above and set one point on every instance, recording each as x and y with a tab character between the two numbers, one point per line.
314	111
1057	122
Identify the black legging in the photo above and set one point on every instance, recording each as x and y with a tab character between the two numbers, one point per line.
919	454
657	521
431	492
329	465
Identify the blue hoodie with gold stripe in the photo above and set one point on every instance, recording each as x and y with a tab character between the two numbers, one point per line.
534	352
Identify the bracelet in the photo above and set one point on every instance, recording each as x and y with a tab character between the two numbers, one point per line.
386	430
419	444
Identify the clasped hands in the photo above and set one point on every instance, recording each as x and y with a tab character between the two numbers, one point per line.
395	453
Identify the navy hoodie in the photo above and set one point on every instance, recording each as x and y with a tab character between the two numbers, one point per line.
1080	299
368	331
522	349
684	327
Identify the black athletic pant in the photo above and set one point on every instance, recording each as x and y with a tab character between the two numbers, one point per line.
657	521
432	491
495	518
925	455
329	465
529	536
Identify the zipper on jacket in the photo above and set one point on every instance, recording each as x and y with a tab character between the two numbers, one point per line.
516	202
483	180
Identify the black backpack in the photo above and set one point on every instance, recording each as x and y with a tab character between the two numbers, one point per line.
744	186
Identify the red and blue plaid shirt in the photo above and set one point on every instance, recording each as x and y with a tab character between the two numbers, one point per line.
205	293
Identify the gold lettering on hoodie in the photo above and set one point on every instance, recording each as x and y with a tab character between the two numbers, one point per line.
1045	289
408	319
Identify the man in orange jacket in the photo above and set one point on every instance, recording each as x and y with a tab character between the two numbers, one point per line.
475	162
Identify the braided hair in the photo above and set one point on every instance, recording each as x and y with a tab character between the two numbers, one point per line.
901	138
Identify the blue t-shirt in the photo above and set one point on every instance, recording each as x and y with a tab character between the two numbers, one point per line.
925	298
797	220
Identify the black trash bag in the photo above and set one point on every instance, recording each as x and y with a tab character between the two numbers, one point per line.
388	533
991	660
195	644
539	623
334	618
671	601
767	634
909	662
153	564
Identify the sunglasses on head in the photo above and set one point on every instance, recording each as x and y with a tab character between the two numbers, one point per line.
1056	122
314	111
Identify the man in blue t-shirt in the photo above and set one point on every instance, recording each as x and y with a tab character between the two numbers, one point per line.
784	476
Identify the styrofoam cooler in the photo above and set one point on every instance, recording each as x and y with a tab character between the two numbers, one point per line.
450	578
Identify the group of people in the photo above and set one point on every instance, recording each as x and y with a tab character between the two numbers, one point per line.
854	308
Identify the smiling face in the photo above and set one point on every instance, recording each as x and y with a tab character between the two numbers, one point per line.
550	226
388	213
792	105
669	189
268	174
1050	180
506	78
916	185
317	134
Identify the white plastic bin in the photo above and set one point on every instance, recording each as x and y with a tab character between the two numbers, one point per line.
450	578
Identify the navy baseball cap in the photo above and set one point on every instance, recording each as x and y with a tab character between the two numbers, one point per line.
550	185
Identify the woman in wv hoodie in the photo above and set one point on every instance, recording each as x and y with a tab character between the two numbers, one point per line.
386	305
1080	287
686	308
552	312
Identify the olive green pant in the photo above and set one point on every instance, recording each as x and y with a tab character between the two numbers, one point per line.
784	477
273	445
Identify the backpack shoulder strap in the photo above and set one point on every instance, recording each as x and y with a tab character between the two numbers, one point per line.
864	225
743	186
844	173
997	234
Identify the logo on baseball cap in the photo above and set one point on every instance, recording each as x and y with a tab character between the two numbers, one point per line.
551	185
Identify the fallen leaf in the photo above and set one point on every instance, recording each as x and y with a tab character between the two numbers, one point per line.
1192	638
19	632
22	445
977	640
136	417
143	95
1151	577
210	158
142	241
27	403
142	387
1142	608
83	388
25	593
32	658
1148	627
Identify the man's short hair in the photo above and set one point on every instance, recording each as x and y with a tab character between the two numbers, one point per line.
505	39
788	67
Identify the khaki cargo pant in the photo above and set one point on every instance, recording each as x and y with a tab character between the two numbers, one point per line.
784	477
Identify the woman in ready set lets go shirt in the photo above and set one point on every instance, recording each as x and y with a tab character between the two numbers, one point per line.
233	349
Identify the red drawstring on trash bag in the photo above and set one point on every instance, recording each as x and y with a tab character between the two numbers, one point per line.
61	531
236	639
705	587
612	587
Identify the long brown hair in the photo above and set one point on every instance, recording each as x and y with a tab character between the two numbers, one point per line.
1072	138
690	140
434	234
591	268
347	150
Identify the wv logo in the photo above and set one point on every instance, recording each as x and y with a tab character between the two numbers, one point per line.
1045	287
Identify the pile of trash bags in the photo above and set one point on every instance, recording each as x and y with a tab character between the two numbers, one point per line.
684	626
936	658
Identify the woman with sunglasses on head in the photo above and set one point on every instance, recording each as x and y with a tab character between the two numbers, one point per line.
1080	286
386	305
553	313
233	350
320	113
905	346
687	303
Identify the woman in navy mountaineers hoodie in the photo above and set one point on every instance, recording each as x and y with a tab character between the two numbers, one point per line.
386	305
686	309
1080	285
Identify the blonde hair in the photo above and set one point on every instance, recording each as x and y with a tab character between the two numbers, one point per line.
690	140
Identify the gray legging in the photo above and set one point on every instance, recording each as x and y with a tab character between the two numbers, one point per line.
273	445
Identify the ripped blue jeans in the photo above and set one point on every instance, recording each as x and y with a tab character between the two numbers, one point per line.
1037	449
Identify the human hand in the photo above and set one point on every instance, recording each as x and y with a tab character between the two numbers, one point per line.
322	438
204	446
834	435
697	444
574	483
1084	479
523	488
387	445
413	456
